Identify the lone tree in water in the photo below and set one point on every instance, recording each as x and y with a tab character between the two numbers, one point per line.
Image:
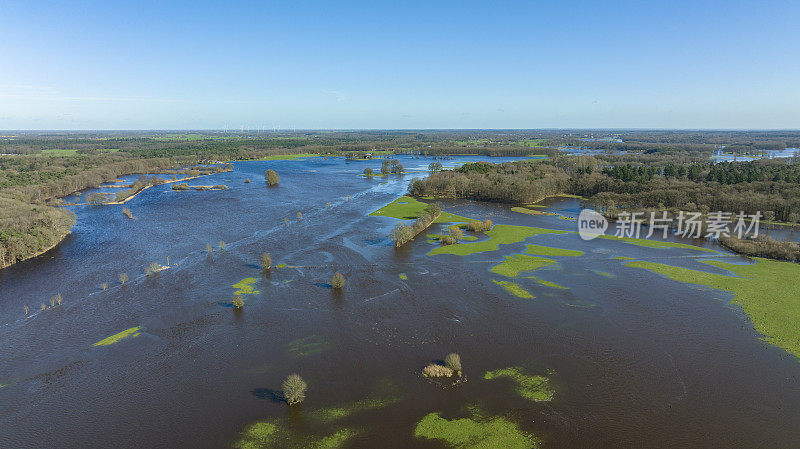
123	278
294	389
272	177
266	261
337	280
368	172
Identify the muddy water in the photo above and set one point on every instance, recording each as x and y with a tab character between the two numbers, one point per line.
637	360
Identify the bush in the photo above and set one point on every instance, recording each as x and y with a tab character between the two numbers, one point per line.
209	248
123	278
219	187
222	245
104	286
455	232
480	226
154	267
237	301
181	186
453	361
247	181
266	261
368	172
272	177
337	280
436	370
294	389
127	212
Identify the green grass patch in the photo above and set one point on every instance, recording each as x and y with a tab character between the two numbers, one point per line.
132	332
764	291
535	388
603	273
547	283
408	208
281	265
474	433
655	243
245	287
514	289
624	258
307	346
403	276
498	235
538	250
517	263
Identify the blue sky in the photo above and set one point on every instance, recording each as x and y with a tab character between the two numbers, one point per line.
355	65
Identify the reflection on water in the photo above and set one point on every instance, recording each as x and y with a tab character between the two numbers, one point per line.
634	359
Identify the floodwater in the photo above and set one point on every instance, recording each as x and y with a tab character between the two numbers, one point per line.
636	360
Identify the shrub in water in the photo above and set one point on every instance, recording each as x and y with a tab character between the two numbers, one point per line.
436	370
266	261
453	361
337	280
294	389
123	278
237	302
272	177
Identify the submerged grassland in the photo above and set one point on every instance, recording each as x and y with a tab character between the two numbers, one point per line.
534	388
475	432
330	428
498	235
764	290
408	208
132	332
514	289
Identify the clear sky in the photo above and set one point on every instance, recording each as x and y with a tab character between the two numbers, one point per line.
399	64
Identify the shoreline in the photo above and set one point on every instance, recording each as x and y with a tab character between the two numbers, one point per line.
40	253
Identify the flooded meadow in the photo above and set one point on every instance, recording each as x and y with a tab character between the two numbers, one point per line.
564	342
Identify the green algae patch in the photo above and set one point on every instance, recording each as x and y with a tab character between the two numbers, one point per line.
245	287
624	258
534	388
408	208
655	243
763	290
516	264
403	276
603	273
525	210
547	283
498	235
281	265
474	433
514	289
538	250
132	332
307	346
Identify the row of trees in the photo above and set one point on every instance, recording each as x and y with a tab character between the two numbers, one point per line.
403	234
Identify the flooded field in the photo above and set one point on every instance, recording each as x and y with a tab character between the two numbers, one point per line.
564	342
